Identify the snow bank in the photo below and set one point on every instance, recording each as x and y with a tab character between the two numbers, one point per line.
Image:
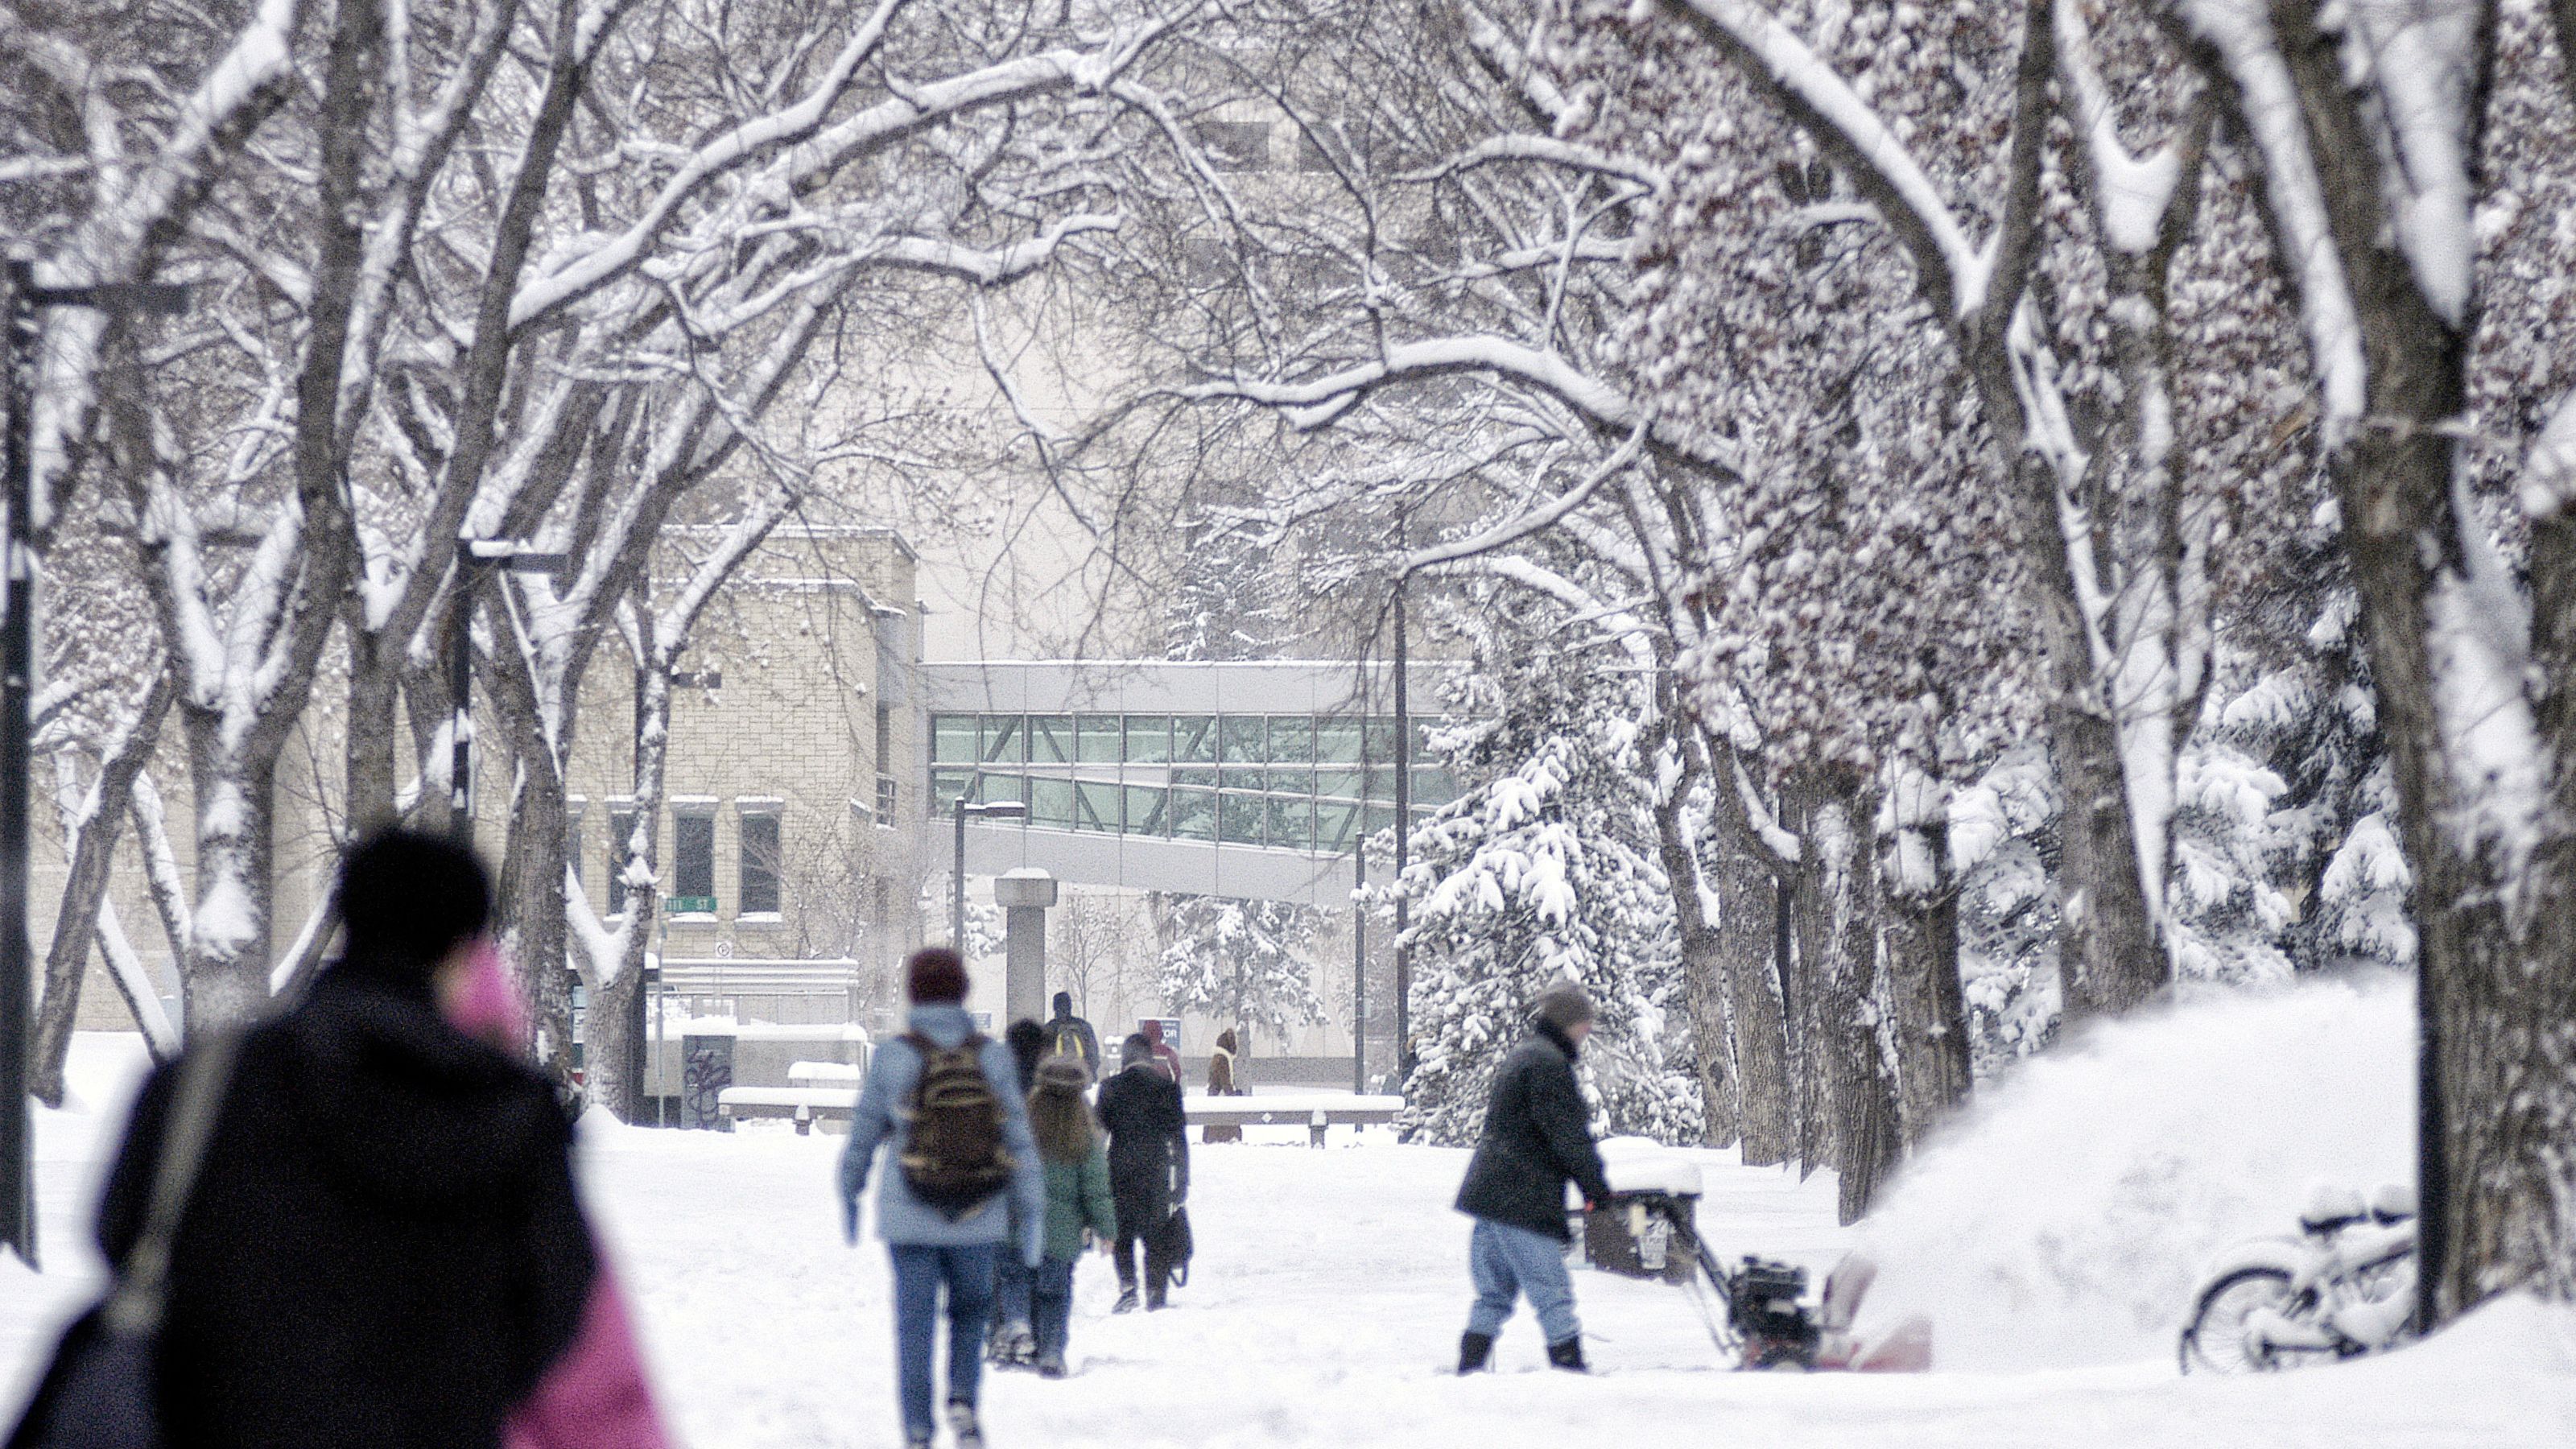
2065	1220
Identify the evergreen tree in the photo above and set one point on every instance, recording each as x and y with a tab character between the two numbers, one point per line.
1243	962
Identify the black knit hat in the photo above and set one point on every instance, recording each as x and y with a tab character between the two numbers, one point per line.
407	899
1563	1006
935	976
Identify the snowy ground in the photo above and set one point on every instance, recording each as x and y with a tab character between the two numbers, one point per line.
1329	1290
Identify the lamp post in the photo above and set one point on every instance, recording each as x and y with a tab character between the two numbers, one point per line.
472	555
963	808
17	687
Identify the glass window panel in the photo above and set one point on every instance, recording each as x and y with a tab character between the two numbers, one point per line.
1292	782
1337	741
1148	811
1344	783
1005	741
1246	777
1050	739
1381	741
1381	784
1193	814
760	862
1292	821
1423	725
693	854
952	739
1292	738
1194	739
1097	739
989	788
1149	739
1432	786
1203	778
946	786
1380	817
1051	803
1247	739
1095	805
1238	819
1334	824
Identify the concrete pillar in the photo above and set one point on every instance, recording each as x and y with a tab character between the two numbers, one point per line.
1024	896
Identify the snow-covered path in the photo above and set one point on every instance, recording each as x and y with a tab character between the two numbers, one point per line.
1329	1289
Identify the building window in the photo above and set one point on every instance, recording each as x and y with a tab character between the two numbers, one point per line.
693	859
886	801
621	832
574	810
1149	739
952	739
760	862
1235	145
1096	738
885	739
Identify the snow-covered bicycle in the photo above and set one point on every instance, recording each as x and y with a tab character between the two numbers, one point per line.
2344	1286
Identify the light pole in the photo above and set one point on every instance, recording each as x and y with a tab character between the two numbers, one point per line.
17	686
473	554
994	810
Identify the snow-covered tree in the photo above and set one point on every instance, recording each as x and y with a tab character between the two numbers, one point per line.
1247	962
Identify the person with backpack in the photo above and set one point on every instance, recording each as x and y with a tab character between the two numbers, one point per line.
1070	1036
355	1222
1537	1135
1149	1168
961	1186
1078	1198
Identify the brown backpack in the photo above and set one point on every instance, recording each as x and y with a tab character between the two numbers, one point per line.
954	1158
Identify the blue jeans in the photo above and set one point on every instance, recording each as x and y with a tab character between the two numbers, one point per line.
1507	1262
919	1272
1053	1297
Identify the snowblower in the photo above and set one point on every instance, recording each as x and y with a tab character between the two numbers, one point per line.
1760	1315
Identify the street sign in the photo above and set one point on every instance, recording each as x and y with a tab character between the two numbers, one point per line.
693	905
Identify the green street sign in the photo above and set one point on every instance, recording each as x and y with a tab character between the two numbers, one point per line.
693	905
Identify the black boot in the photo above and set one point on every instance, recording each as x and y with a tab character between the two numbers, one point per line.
1474	1349
1567	1355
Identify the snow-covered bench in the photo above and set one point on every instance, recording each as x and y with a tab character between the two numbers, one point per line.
801	1104
824	1074
1316	1110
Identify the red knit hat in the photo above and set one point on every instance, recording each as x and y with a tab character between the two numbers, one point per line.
935	976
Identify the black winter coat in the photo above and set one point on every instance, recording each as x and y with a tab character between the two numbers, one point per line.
384	1246
1149	1144
1537	1135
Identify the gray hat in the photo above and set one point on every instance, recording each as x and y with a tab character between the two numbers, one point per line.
1563	1006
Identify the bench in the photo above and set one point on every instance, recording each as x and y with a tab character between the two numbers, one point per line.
1316	1110
799	1104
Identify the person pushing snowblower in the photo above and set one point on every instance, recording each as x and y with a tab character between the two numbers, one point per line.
1537	1136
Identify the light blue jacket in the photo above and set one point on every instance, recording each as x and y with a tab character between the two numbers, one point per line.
1016	1215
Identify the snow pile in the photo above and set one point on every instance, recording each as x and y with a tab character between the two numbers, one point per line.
2066	1218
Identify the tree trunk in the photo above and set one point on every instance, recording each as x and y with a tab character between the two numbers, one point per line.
374	685
1703	969
1922	943
93	863
1747	928
1837	936
224	977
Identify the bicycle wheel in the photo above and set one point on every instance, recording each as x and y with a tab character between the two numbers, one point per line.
2217	1339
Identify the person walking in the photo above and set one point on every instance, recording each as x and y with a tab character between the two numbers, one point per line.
1078	1198
1221	1083
961	1185
382	1242
1537	1135
1070	1036
1166	1056
1149	1167
1008	1341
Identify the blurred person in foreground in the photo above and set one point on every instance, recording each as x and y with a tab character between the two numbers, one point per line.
383	1243
1537	1136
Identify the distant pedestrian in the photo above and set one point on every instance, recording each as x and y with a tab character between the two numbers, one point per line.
1149	1168
1221	1083
961	1186
1071	1036
382	1243
1537	1135
1166	1056
1078	1198
1009	1341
